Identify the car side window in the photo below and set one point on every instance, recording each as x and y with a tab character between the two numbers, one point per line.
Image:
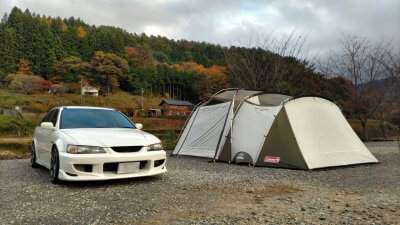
54	117
48	116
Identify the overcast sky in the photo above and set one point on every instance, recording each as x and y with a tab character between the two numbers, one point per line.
226	21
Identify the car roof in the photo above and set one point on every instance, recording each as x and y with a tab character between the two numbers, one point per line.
85	107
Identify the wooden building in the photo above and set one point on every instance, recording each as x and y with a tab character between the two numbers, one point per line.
90	90
175	108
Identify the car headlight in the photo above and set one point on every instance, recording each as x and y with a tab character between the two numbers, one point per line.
82	149
155	147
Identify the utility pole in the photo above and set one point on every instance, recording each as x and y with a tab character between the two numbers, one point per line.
81	92
142	91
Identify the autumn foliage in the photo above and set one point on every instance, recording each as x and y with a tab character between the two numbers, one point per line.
24	81
207	80
140	56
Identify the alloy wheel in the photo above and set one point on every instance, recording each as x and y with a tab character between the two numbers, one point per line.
53	165
33	154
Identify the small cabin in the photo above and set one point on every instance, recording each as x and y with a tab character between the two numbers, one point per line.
175	108
90	90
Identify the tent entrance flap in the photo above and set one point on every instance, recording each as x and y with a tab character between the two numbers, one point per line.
250	124
279	148
204	131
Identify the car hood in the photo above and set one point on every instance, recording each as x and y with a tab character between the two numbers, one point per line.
108	137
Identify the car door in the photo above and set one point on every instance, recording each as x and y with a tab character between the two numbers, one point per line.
48	137
40	137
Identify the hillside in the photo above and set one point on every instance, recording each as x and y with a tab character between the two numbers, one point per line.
66	51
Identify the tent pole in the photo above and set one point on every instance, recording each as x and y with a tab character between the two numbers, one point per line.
230	108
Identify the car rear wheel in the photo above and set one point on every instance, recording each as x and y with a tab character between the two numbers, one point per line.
54	165
33	156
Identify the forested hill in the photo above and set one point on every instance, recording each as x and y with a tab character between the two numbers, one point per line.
65	51
37	37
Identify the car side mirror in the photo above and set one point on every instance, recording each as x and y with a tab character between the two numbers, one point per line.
139	126
47	125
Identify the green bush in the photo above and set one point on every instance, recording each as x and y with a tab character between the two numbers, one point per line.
170	140
15	126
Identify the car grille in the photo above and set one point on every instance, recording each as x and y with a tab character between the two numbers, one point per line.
127	148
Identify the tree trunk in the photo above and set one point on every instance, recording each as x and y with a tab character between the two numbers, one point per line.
384	127
364	130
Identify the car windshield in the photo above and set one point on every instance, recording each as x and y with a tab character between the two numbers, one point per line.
93	118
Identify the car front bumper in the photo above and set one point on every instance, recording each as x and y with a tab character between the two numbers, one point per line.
86	167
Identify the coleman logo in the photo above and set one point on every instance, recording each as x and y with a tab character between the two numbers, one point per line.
272	159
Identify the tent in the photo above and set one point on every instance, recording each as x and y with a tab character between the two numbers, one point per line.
270	129
206	130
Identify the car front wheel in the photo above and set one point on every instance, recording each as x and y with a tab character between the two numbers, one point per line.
33	156
54	165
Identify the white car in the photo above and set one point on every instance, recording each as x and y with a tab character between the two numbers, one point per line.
90	143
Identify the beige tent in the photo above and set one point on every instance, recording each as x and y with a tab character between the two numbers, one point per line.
207	128
267	129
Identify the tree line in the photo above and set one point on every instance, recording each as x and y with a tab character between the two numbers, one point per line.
68	50
38	52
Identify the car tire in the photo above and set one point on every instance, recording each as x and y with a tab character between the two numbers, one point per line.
33	156
54	166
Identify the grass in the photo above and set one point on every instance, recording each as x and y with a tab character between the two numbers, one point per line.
120	100
15	147
159	123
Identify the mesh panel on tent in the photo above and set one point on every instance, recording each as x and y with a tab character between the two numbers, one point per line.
272	99
225	96
241	94
237	94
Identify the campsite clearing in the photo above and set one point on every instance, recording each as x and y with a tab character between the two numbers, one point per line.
196	191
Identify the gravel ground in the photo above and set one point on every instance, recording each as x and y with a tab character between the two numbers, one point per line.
196	191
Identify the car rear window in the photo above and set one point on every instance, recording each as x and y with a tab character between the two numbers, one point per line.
93	118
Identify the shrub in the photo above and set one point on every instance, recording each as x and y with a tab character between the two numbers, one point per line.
170	140
39	108
15	126
141	113
26	84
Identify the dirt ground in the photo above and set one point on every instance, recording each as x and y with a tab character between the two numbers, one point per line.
196	191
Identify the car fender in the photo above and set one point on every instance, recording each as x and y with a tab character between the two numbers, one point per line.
34	141
62	142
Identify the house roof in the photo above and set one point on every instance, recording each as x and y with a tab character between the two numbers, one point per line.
177	102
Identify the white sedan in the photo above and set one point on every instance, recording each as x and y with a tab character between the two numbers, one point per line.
91	143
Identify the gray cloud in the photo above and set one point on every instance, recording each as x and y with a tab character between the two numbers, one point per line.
226	21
